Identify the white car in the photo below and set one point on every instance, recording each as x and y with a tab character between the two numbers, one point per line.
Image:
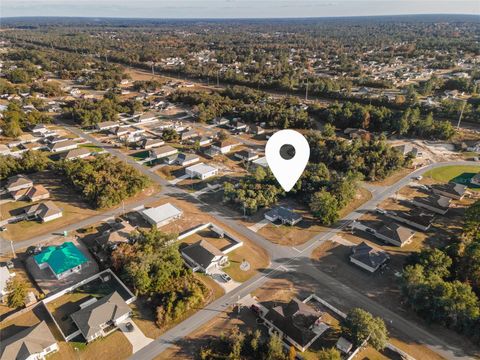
419	177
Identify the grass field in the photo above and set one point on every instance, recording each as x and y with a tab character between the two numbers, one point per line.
460	174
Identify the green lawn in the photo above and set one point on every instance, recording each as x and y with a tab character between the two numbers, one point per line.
460	174
92	147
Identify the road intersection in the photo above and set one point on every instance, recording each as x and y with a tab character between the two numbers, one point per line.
282	258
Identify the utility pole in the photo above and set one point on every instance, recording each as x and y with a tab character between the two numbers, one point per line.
461	114
218	80
153	68
306	91
13	250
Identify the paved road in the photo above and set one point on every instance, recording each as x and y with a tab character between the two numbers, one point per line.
291	258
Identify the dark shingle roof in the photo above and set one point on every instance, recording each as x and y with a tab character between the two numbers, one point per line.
202	252
295	320
90	318
369	256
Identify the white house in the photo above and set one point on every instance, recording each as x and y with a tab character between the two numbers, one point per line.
201	171
162	152
98	318
32	343
5	276
203	256
161	215
224	146
63	146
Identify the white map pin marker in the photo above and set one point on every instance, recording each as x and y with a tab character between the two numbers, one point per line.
287	171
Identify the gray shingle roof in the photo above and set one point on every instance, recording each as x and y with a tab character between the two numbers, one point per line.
108	308
27	342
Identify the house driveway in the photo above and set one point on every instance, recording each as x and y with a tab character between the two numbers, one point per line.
227	286
136	337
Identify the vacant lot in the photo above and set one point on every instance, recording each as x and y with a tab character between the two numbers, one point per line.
144	314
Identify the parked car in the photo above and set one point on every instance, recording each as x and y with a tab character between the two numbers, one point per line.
3	228
370	230
419	177
225	277
129	326
380	211
9	264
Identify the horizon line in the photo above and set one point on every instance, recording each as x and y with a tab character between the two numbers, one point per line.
232	18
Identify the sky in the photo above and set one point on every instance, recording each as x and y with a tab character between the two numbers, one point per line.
233	8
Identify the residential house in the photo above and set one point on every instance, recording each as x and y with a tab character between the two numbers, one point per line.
368	258
149	143
36	193
436	203
63	146
394	234
5	276
163	151
246	155
146	117
106	125
201	171
62	260
297	323
417	218
186	159
475	180
40	130
238	127
286	216
32	343
55	139
98	318
257	130
219	121
33	146
45	211
203	256
78	153
451	190
261	162
357	133
18	182
225	146
202	140
189	134
161	215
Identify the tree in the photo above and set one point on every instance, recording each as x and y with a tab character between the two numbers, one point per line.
11	126
360	326
17	291
328	130
324	206
222	135
329	354
292	353
275	348
170	135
